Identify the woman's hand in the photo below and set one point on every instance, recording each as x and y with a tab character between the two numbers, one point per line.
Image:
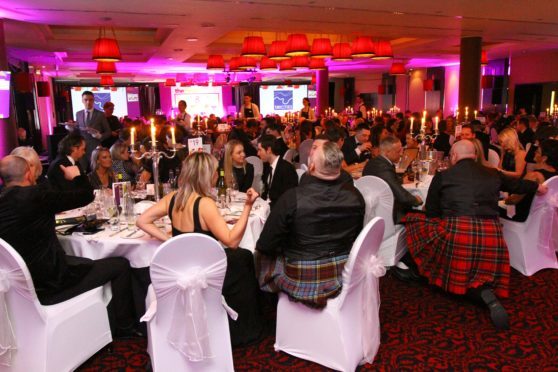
251	196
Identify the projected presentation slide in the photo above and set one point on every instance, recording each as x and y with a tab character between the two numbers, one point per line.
280	99
200	100
4	94
116	95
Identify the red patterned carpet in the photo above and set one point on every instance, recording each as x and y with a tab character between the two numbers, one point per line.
422	329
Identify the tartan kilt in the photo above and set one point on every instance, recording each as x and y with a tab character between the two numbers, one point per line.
458	253
310	282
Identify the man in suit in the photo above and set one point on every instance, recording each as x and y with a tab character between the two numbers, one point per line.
524	132
93	125
27	221
356	149
70	150
442	141
275	130
278	174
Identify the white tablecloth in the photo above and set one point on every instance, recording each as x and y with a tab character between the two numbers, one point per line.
139	247
420	190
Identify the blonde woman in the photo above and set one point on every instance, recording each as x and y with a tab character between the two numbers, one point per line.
101	165
32	158
512	156
192	209
121	163
479	152
236	168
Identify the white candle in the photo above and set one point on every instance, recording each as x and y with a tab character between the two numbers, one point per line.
153	134
173	138
436	119
412	120
422	123
475	112
132	135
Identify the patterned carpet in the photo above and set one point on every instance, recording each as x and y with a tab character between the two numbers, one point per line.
422	329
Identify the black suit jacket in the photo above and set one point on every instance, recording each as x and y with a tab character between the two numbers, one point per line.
349	153
442	143
97	122
284	178
403	201
485	141
56	177
27	224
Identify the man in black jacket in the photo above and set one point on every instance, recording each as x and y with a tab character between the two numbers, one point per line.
27	223
356	149
307	238
70	151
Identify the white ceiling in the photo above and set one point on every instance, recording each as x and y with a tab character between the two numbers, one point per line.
153	34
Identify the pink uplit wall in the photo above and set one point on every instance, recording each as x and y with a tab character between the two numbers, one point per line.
532	68
416	90
367	83
451	90
401	92
134	110
46	113
165	98
227	99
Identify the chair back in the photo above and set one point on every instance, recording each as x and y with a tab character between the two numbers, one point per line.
379	201
257	163
304	151
544	214
290	155
493	158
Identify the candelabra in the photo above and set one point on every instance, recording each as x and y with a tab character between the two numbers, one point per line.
154	155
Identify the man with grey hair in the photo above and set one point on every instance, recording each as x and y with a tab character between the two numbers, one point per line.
308	236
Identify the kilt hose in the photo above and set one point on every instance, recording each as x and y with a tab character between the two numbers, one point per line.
458	253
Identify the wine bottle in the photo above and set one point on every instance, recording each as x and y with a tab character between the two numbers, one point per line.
221	188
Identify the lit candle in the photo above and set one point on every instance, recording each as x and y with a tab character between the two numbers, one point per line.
205	122
457	116
172	115
412	120
424	114
475	112
153	133
422	123
436	119
547	112
380	112
466	113
173	138
132	136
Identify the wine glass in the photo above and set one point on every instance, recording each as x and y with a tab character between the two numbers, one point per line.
234	190
415	166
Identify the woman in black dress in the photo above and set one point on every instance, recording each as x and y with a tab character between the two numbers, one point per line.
237	170
192	209
101	165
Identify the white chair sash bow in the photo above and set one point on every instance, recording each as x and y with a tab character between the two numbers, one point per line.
549	221
188	332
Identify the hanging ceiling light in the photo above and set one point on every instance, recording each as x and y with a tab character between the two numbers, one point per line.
253	46
301	62
321	48
428	84
106	49
107	81
106	68
383	50
484	58
286	65
317	64
215	62
341	52
363	47
170	82
297	45
247	63
397	68
277	50
267	64
234	65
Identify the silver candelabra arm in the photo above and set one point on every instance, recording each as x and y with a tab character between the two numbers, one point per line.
155	155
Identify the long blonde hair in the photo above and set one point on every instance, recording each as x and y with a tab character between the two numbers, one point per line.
479	151
228	163
196	176
509	140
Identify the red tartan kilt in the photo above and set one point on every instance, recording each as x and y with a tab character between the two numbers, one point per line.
458	253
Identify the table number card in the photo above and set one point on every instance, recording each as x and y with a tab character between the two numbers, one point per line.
195	145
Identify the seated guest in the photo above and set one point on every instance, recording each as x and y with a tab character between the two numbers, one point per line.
482	136
458	245
32	158
377	133
546	167
101	163
22	138
524	133
336	135
356	149
238	133
70	150
306	137
278	175
442	141
121	163
479	152
383	166
275	130
27	221
306	240
512	156
114	124
236	167
192	210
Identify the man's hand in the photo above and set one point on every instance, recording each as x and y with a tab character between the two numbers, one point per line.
70	172
366	146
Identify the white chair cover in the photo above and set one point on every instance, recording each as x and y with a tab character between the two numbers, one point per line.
258	171
493	158
304	151
9	279
290	155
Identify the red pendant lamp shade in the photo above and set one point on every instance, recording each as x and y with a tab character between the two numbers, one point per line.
253	46
487	82
170	82
106	49
397	68
106	81
484	58
428	85
267	64
300	62
321	48
383	50
286	65
106	68
215	62
234	64
297	45
247	63
277	50
341	52
317	64
363	47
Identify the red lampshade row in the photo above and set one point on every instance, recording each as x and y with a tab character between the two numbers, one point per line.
234	64
253	46
286	65
381	89
300	62
321	48
215	62
267	64
106	50
397	68
487	81
106	81
246	63
341	52
363	47
428	85
317	64
383	50
297	45
277	50
484	58
106	68
170	83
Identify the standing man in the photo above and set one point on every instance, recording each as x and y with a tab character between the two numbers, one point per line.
93	125
114	124
248	109
278	175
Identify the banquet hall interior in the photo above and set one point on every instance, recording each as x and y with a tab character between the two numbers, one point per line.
408	68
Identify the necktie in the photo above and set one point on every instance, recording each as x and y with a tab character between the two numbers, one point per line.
87	118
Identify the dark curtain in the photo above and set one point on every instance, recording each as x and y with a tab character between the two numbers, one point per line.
149	100
251	89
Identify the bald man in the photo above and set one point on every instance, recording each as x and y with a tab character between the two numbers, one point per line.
458	245
307	238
